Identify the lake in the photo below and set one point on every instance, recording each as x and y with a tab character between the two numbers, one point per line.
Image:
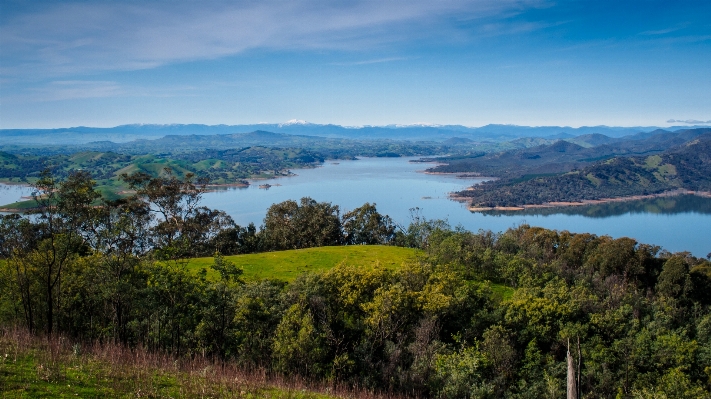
10	193
394	184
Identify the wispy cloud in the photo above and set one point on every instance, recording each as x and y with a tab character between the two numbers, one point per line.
659	32
65	38
62	90
75	89
665	30
373	61
688	121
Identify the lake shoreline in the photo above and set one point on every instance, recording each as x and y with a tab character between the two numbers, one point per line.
460	175
561	204
15	183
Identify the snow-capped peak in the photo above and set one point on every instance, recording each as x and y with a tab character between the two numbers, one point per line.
419	124
294	122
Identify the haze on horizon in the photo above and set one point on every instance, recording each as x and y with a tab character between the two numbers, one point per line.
524	62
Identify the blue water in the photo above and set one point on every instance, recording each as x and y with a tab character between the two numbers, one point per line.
395	185
10	193
392	183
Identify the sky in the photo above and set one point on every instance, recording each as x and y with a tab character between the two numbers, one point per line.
353	62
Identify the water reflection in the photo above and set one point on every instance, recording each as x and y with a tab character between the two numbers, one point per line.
660	206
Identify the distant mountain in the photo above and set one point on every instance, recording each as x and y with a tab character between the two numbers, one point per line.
592	140
559	136
488	133
655	141
457	140
176	142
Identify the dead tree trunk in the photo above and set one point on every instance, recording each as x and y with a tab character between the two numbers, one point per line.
572	386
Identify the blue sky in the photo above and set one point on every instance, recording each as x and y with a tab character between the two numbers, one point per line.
575	63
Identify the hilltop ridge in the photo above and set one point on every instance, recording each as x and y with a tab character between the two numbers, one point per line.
683	168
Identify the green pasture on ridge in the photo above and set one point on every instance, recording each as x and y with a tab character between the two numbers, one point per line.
286	265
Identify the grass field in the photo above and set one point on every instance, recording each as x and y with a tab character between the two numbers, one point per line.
286	265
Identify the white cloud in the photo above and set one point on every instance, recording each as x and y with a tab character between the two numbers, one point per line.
65	38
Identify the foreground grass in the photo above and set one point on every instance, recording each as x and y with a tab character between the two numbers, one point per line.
32	367
286	265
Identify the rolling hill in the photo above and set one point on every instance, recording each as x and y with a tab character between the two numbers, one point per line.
686	167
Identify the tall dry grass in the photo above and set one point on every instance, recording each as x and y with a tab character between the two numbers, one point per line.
142	373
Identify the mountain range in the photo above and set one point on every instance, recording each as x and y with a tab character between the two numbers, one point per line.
488	133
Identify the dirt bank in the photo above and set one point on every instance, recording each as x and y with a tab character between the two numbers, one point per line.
673	193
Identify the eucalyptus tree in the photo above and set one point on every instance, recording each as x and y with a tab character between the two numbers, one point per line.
365	225
18	236
61	215
292	225
120	235
171	202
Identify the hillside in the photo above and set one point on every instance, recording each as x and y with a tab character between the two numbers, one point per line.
66	367
561	156
456	314
287	265
687	167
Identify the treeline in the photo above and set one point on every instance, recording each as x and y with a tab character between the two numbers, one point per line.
687	167
439	327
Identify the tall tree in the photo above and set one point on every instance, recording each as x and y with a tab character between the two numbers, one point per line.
175	204
63	211
292	225
364	225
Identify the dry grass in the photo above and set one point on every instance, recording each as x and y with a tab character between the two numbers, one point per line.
32	366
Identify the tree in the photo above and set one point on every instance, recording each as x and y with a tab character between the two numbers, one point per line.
176	203
292	225
674	281
216	329
120	234
63	211
298	347
420	229
18	236
366	226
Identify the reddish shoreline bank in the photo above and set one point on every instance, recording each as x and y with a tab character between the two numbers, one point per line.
673	193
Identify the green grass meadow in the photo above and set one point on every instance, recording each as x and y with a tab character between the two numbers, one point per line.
286	265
